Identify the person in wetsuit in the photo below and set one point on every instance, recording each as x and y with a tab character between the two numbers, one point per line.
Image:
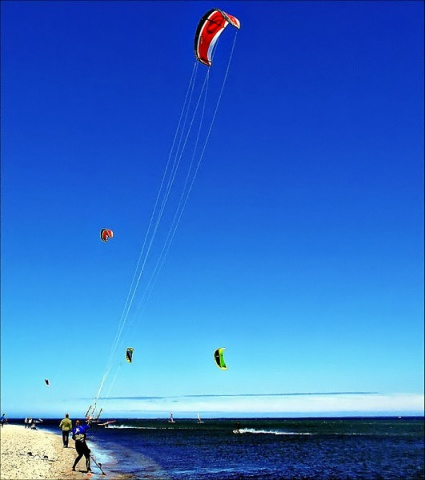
79	435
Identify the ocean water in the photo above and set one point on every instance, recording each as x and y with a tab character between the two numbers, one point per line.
266	448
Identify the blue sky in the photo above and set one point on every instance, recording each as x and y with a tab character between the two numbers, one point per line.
300	248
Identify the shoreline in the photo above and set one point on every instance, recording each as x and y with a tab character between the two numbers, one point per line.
39	454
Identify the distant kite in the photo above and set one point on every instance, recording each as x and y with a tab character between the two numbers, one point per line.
129	355
219	359
106	234
47	382
210	27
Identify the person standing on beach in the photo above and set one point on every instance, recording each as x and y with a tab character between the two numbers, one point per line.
79	435
3	419
66	427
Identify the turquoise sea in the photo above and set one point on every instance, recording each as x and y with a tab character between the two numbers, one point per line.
265	448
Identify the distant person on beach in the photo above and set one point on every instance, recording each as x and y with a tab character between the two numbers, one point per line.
79	435
66	427
33	426
3	419
26	422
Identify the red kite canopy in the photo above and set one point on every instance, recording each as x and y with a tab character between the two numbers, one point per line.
209	29
105	234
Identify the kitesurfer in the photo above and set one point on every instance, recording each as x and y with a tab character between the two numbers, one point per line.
79	435
66	427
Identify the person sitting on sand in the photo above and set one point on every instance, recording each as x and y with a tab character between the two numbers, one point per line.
79	435
33	426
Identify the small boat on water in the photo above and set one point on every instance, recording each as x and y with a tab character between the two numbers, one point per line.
199	419
171	419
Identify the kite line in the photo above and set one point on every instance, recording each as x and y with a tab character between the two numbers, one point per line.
192	116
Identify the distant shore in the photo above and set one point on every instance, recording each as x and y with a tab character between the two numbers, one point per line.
36	454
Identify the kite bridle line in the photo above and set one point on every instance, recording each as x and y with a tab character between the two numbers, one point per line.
171	169
187	187
178	212
136	275
143	256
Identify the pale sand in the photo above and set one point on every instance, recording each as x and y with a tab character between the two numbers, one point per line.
48	459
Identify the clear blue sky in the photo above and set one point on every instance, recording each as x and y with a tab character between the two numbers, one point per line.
301	246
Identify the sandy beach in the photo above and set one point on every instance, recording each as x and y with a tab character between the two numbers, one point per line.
28	454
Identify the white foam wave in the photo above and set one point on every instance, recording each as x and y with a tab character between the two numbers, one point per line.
136	428
269	432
